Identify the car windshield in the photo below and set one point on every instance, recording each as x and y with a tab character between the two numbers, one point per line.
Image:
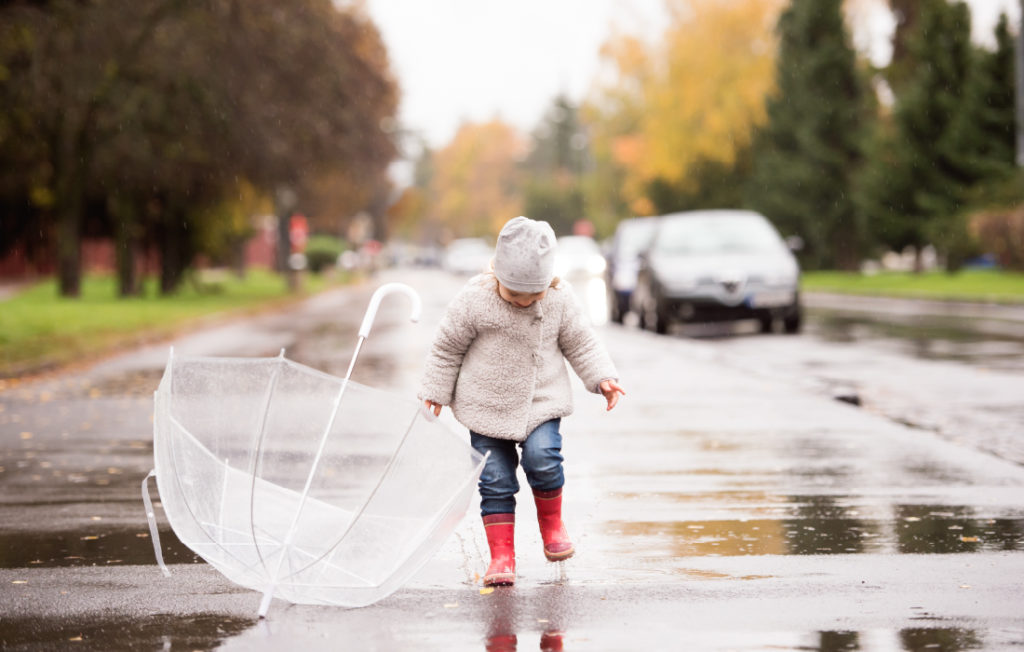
469	246
633	237
577	246
717	234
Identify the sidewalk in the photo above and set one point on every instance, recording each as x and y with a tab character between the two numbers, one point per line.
911	306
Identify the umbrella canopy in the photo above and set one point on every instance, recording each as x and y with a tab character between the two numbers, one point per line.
301	485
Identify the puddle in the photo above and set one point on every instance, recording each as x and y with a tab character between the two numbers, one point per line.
928	338
910	640
824	527
156	632
89	548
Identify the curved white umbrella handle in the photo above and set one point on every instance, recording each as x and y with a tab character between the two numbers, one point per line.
382	291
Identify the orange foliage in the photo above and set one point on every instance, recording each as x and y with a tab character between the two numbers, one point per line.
476	183
697	94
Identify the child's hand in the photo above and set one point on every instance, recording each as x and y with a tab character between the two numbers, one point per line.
436	407
611	391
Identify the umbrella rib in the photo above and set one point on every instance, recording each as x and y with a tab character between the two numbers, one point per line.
173	461
274	579
257	454
369	499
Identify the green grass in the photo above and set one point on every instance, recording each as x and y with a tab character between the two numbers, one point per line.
40	330
970	285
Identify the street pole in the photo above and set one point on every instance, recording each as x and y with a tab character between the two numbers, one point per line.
1020	87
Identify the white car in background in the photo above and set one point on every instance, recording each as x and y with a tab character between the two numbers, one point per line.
468	256
578	258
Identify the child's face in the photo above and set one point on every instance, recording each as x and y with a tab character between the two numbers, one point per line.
521	299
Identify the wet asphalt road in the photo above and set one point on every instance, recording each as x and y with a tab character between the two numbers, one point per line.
729	503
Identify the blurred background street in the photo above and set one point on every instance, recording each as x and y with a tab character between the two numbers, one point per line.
731	502
798	226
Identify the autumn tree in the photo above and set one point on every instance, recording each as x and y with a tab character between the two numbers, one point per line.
155	114
475	186
67	64
811	146
688	103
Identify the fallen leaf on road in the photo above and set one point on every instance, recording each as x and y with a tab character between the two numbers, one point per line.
91	537
912	519
19	581
965	586
969	539
75	638
487	590
451	605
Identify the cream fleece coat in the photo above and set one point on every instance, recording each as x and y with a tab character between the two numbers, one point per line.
501	368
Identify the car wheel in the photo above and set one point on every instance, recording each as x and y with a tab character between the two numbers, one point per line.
793	320
661	320
654	317
613	310
619	306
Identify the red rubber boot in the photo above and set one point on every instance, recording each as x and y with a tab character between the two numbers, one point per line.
557	545
500	529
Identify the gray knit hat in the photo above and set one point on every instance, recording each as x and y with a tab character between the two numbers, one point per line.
524	259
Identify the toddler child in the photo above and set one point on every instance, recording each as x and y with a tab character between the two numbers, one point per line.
498	361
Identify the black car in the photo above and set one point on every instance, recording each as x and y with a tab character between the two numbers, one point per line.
717	265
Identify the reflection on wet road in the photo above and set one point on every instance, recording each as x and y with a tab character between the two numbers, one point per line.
99	546
843	532
927	338
152	632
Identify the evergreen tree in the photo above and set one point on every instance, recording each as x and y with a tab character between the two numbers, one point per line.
918	172
979	146
982	135
553	170
812	143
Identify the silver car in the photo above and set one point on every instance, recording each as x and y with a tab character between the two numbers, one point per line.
717	265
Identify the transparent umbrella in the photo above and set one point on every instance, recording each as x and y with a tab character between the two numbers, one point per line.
301	485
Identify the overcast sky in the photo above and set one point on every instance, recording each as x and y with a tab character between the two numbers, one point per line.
459	60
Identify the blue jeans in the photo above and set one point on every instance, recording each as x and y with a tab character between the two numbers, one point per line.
542	463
